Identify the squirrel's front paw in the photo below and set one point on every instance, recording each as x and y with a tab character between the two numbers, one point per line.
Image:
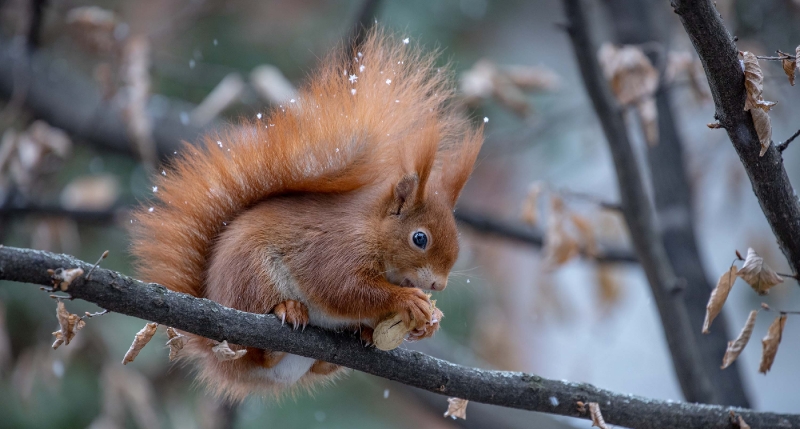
293	312
429	329
415	308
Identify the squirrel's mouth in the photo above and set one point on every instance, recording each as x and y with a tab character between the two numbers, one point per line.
407	283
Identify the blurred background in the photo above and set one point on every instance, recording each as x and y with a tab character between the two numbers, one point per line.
114	86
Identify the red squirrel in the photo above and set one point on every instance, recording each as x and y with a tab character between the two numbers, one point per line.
333	210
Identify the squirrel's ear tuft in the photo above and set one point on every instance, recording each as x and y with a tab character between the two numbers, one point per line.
459	163
404	193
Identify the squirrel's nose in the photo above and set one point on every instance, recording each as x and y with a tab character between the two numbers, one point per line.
438	285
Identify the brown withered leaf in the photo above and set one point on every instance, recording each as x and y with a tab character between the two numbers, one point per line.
559	246
742	424
630	72
586	232
771	342
736	346
175	343
223	352
456	408
609	284
70	324
718	296
597	416
789	67
530	207
139	341
760	276
763	129
754	84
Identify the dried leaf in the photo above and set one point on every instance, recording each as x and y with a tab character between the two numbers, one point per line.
224	352
788	67
631	74
91	193
530	207
586	232
139	341
736	346
559	247
742	423
456	408
62	278
609	285
70	324
763	128
754	84
271	84
770	343
597	416
718	296
389	333
175	343
760	276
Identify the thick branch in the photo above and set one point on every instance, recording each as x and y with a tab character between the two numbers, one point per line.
525	234
640	217
122	294
725	77
635	22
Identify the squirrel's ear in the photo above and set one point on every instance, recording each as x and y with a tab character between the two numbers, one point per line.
404	193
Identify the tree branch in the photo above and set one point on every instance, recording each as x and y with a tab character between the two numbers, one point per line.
525	234
640	217
725	77
635	22
152	302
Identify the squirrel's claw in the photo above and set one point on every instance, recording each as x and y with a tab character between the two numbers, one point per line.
295	313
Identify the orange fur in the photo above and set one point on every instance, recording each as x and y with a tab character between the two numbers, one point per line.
316	204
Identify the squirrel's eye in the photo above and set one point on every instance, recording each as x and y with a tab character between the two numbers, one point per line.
420	239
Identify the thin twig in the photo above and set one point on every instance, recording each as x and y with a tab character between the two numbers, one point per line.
103	256
782	146
122	294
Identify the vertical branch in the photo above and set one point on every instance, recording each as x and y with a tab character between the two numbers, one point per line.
725	77
640	217
635	23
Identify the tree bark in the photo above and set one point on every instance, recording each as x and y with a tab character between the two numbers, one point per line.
122	294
